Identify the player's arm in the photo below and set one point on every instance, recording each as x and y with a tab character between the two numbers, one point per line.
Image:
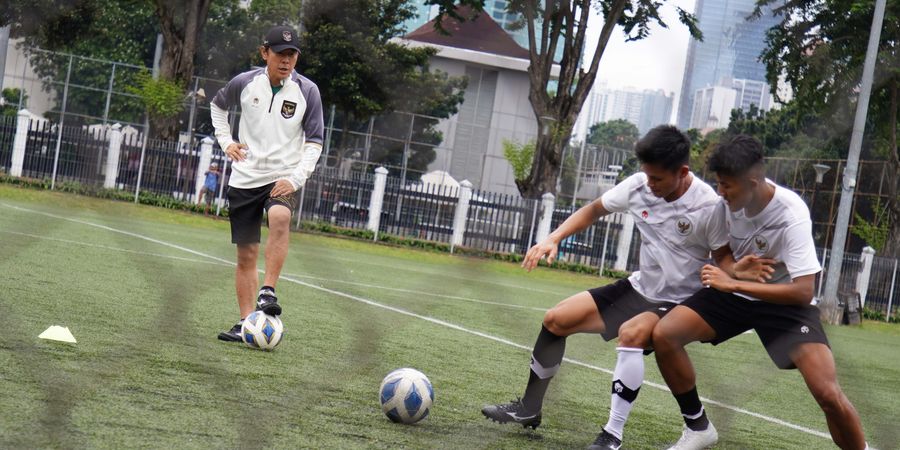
576	223
799	291
218	111
749	268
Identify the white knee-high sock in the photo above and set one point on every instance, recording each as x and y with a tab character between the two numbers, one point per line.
627	380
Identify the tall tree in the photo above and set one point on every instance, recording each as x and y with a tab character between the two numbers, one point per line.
819	49
347	49
617	133
564	22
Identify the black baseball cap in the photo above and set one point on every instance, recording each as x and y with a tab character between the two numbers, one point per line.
282	38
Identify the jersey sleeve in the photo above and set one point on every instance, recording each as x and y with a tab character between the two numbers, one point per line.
799	250
616	199
716	232
313	118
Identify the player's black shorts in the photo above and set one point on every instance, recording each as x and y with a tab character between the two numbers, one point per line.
619	302
245	211
780	327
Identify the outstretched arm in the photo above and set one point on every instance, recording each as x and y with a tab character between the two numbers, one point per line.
577	222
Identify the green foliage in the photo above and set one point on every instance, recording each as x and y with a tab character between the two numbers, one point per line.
162	98
11	99
875	231
519	156
347	49
618	133
790	131
871	314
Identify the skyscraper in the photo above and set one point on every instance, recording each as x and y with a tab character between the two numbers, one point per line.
423	13
731	48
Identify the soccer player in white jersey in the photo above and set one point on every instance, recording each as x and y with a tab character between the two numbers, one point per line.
275	152
771	222
673	211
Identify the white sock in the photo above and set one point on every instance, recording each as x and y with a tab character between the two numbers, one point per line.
627	380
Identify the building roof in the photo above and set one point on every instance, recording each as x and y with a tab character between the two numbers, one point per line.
481	34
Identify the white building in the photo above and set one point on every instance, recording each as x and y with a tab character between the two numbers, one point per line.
496	106
712	107
645	109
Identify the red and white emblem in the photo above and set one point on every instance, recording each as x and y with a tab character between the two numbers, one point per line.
645	214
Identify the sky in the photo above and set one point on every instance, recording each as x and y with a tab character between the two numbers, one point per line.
656	62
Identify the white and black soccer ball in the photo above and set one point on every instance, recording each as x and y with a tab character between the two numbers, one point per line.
406	396
262	331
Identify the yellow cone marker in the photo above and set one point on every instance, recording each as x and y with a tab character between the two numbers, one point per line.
58	333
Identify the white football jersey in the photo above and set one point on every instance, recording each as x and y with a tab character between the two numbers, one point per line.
781	231
676	237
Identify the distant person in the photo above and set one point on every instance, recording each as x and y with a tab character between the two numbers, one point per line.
276	150
210	185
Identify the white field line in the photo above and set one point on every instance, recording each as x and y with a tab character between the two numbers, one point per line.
419	316
446	275
206	261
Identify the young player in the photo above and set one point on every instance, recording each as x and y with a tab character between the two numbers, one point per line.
768	221
672	209
210	184
278	145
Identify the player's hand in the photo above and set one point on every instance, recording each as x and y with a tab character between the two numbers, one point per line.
236	151
754	268
547	248
714	277
282	187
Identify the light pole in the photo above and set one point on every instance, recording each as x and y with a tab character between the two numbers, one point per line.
615	169
821	170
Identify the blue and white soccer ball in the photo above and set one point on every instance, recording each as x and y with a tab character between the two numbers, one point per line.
262	331
406	396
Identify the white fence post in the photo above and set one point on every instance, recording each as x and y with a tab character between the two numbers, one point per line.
462	214
548	204
377	200
862	279
112	156
18	152
624	245
205	158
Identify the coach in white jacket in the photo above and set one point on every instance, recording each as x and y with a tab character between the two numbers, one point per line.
278	144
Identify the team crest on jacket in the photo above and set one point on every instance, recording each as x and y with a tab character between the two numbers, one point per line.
288	109
760	244
684	225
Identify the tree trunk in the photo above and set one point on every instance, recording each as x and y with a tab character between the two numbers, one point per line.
181	23
556	115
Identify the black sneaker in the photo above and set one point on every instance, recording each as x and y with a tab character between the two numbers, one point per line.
268	303
232	335
512	412
606	441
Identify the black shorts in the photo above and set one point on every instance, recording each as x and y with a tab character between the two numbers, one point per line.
619	302
780	327
245	211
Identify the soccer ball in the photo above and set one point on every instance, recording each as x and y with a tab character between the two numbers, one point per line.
261	330
406	396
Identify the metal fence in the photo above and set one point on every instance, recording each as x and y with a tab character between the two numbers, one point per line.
7	135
